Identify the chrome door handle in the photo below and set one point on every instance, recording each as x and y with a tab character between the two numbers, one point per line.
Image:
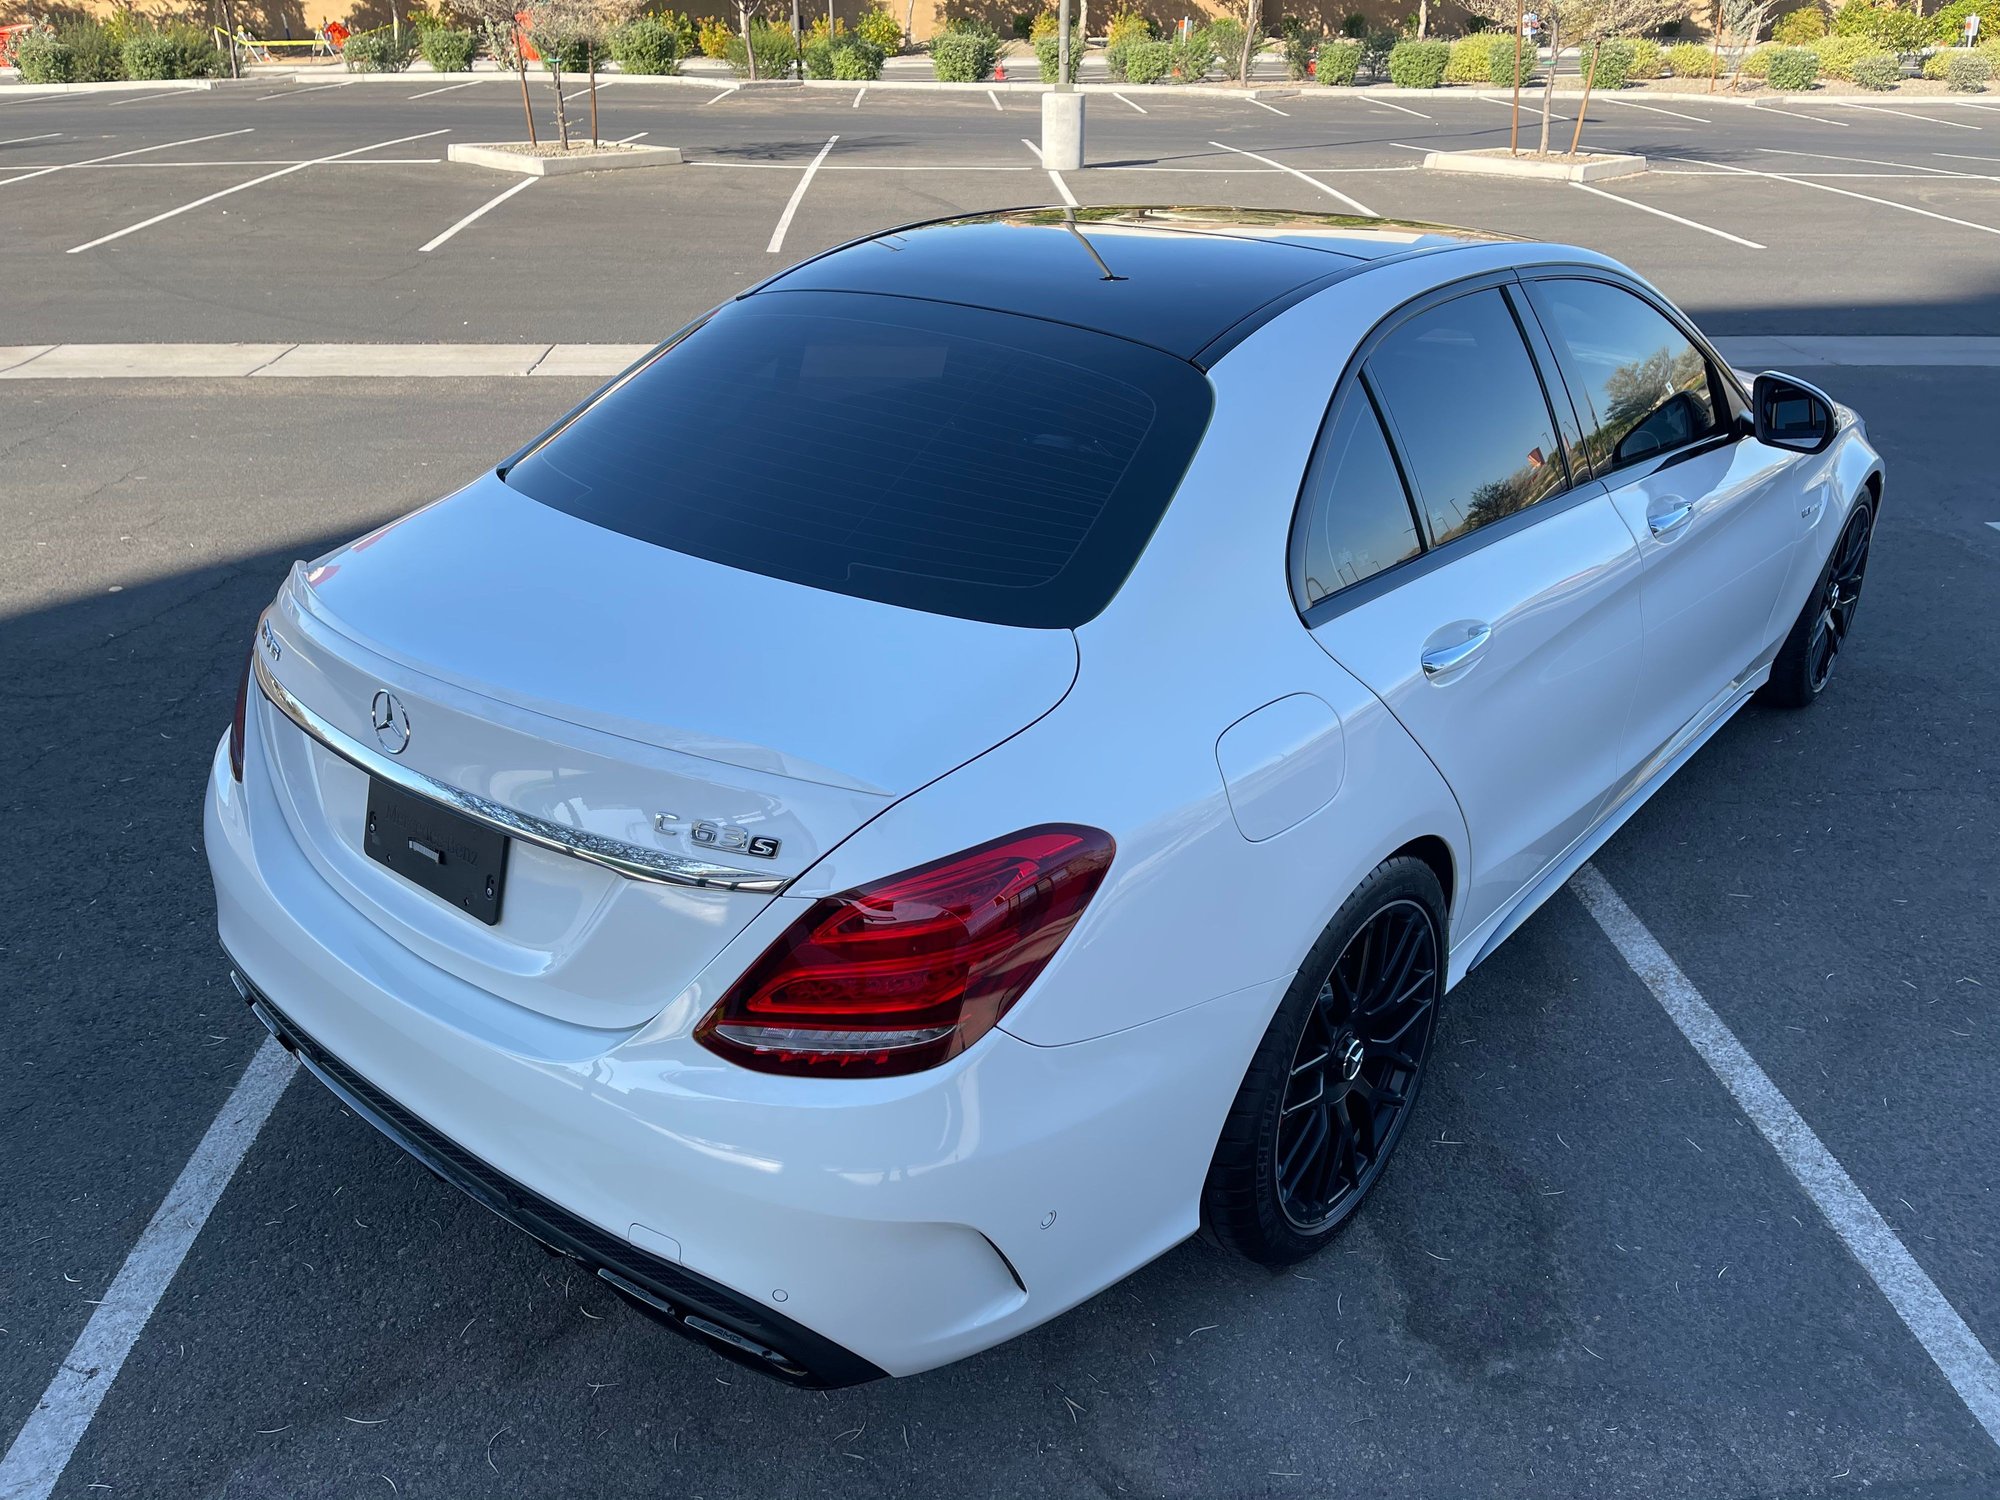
1671	519
1447	658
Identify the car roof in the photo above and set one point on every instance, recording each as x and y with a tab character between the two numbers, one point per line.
1190	281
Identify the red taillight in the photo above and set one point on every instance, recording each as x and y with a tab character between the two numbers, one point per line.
236	723
898	975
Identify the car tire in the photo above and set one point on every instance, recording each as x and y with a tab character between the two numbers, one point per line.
1805	662
1340	1064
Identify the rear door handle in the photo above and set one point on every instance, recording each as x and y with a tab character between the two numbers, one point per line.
1450	658
1671	519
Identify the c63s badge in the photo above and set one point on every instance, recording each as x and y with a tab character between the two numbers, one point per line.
726	837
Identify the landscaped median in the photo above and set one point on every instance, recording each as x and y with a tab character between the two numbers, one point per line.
552	159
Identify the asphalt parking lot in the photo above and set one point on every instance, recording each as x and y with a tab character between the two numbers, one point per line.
1587	1273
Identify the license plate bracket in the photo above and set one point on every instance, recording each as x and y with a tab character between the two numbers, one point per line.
446	853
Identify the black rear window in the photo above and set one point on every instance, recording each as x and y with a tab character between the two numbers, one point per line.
943	458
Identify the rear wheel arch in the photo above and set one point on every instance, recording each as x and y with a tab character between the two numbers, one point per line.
1437	854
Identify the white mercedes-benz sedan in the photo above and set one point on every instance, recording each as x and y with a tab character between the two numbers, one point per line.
981	757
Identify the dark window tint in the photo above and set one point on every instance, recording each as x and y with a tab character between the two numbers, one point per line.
1354	519
1469	415
944	458
1641	387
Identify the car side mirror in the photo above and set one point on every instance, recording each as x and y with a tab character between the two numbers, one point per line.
1791	414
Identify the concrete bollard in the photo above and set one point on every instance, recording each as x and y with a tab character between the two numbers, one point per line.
1062	131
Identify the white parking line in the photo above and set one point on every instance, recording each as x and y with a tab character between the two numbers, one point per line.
1271	107
478	213
1647	208
1651	109
792	204
723	95
142	98
996	100
1961	156
1865	161
1331	192
602	84
119	234
1531	109
859	94
446	89
193	140
315	89
1952	1346
1400	109
1827	187
21	139
1792	114
1123	100
1902	114
43	1447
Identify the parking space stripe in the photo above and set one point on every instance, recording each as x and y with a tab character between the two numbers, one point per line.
859	94
1952	1346
1647	208
1652	109
1399	108
996	100
142	98
317	88
1354	203
1827	187
1866	161
42	1449
1127	102
1792	114
723	95
1271	107
446	89
478	213
52	135
119	234
193	140
1901	114
798	193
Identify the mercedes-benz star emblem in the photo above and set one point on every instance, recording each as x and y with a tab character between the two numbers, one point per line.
392	725
1351	1060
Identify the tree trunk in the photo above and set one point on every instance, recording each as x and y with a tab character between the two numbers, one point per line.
1253	13
1715	62
1549	87
562	116
1423	19
528	109
1520	23
591	54
749	47
1589	78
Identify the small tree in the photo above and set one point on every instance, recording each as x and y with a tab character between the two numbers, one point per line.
564	31
1575	23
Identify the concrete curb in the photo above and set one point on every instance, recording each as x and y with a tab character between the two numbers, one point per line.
1597	168
625	158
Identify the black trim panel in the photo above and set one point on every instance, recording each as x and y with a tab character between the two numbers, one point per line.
721	1320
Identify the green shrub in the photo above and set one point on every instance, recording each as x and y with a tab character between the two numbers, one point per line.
1801	27
1935	64
1148	62
1502	55
1879	71
857	60
1354	25
1375	50
1193	57
1793	69
450	50
1022	25
1689	60
880	28
1226	38
816	56
1645	56
777	50
380	51
1757	62
964	56
647	45
1042	23
1299	46
1125	26
171	52
1891	28
43	59
1607	64
1470	60
1338	64
1048	52
1948	23
1838	54
1418	65
1968	71
713	37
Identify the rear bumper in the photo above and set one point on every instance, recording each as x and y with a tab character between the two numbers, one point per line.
848	1227
703	1310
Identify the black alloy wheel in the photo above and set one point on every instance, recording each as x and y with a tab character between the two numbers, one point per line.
1362	1050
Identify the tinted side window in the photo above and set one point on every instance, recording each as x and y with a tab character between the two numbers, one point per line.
1469	415
1354	518
1643	388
